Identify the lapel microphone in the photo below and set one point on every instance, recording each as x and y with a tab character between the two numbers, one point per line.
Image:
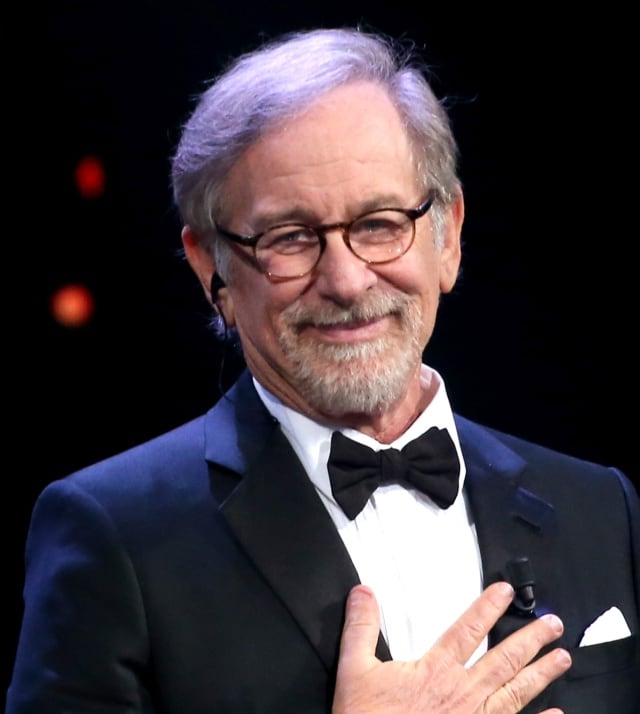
520	575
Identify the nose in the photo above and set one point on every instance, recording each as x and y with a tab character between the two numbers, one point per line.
340	275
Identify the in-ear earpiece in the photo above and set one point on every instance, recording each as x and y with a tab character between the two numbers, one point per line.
220	325
216	283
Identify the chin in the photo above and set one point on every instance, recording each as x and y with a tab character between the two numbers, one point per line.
357	378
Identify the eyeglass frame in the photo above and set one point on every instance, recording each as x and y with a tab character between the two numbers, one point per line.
320	230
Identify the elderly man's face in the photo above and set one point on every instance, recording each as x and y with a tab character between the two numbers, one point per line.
347	338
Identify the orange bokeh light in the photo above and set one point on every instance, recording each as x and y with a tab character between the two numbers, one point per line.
72	305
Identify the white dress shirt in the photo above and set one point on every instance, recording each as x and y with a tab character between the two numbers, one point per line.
422	562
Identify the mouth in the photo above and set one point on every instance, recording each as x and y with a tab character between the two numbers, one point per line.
348	331
374	319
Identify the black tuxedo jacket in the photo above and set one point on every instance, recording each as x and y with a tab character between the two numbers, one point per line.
199	573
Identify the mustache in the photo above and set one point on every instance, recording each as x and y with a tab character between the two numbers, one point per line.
370	307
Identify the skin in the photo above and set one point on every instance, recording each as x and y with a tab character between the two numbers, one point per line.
500	682
348	154
335	162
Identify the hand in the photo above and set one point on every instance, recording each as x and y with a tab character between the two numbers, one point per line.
501	682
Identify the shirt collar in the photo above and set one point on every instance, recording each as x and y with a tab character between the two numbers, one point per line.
311	441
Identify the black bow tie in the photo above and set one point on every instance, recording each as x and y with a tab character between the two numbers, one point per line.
429	463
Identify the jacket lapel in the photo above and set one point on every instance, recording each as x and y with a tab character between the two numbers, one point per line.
511	520
274	512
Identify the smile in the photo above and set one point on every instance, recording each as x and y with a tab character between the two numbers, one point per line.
351	331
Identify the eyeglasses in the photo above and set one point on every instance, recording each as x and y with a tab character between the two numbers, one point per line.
292	250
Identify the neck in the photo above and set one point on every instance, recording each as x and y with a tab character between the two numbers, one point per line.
386	425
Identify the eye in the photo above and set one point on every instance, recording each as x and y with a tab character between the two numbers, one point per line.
379	226
288	239
373	225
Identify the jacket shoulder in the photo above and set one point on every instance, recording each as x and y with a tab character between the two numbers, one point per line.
540	463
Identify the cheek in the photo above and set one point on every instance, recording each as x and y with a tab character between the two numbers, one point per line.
419	278
422	282
258	314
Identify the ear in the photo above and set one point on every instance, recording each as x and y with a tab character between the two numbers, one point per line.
204	266
199	258
451	252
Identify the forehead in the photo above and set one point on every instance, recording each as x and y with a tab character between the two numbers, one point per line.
348	146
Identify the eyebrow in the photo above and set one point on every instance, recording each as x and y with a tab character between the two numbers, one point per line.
302	215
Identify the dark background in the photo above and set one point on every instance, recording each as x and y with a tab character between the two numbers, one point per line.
538	338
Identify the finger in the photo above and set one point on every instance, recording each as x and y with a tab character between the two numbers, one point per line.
529	683
360	632
464	636
505	661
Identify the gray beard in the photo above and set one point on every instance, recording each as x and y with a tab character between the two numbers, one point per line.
359	378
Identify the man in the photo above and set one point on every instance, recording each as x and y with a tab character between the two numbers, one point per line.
220	567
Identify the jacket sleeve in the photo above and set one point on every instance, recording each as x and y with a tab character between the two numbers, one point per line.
83	644
632	499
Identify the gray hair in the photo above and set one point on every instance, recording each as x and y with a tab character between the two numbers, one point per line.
278	81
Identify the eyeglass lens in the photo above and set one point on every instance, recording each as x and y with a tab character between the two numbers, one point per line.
293	250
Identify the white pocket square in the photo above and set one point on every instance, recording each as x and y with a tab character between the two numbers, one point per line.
610	626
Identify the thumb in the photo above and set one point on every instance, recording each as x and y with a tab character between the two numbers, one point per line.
360	632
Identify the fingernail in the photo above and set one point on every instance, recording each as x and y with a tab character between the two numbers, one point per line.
358	596
555	623
563	658
506	590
